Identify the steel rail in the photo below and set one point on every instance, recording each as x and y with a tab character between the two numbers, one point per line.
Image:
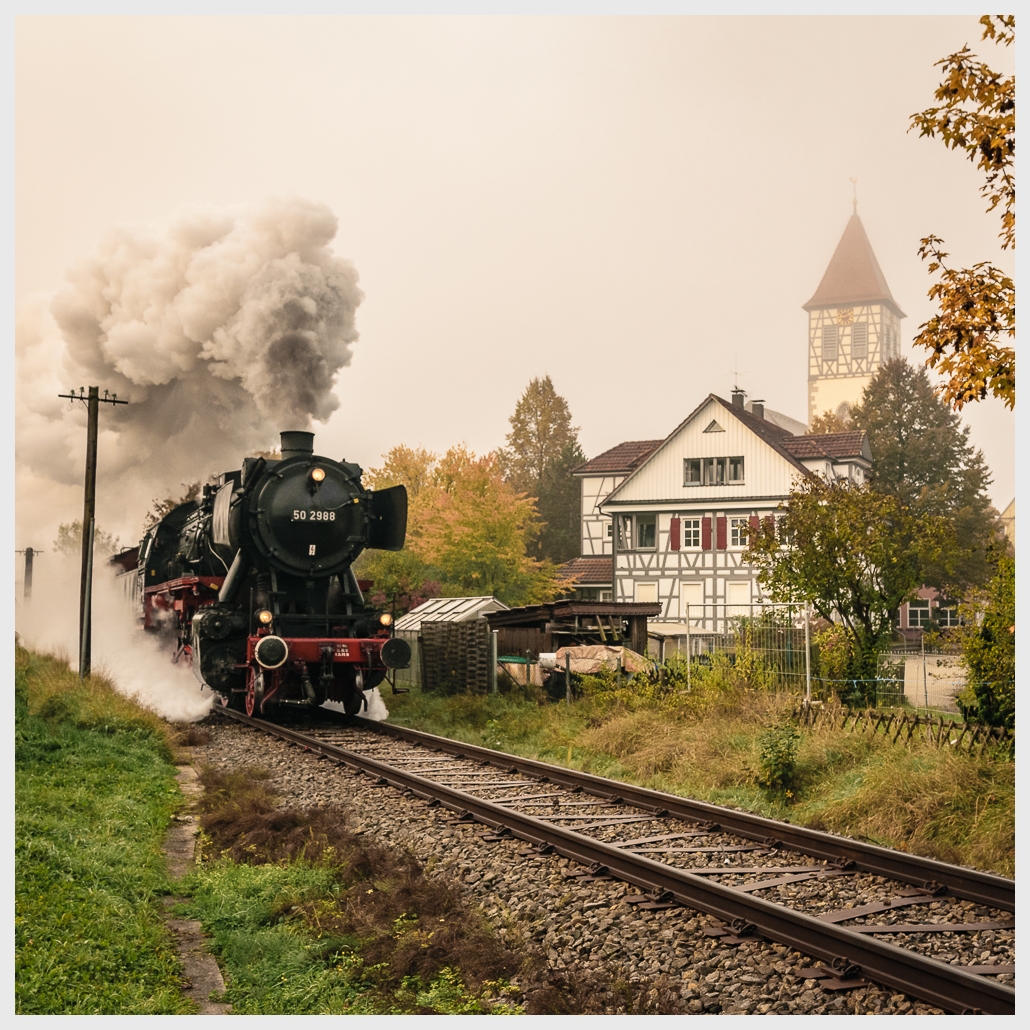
948	987
970	884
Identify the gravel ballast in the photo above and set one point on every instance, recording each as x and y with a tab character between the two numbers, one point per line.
584	930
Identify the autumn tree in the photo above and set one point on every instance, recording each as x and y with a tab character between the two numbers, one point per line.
976	114
475	527
160	507
69	540
830	422
542	450
922	457
854	554
469	532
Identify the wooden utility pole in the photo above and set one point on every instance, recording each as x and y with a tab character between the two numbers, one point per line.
92	400
30	553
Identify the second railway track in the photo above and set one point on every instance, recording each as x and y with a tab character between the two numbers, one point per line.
882	921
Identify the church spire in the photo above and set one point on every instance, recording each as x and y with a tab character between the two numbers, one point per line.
853	275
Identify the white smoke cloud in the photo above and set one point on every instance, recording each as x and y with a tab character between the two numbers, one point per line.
137	663
220	329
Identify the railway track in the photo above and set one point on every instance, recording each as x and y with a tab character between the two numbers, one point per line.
862	912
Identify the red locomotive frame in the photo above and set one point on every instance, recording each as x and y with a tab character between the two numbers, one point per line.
185	596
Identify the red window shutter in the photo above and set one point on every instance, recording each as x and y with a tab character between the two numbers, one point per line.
706	533
720	533
674	533
753	525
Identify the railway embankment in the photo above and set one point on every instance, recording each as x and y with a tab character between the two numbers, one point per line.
95	792
733	745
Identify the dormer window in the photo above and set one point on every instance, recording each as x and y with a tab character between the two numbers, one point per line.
713	471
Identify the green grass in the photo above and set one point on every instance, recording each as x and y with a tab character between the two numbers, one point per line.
308	917
943	804
278	961
95	791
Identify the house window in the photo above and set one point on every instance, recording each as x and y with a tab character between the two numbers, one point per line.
947	615
918	614
738	532
829	343
691	531
646	525
860	341
714	471
606	595
608	529
637	532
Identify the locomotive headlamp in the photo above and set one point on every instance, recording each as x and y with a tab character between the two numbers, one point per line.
318	475
385	619
264	616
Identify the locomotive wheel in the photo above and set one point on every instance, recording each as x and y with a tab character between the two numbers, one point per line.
353	701
255	693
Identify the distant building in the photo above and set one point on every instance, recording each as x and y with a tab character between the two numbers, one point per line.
678	510
854	325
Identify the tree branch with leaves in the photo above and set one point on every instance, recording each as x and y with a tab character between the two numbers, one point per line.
976	114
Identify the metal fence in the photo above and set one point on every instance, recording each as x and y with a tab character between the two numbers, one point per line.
771	644
768	643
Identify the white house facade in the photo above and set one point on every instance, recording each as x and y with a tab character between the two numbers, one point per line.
679	519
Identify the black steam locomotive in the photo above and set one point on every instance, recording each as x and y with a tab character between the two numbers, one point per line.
255	581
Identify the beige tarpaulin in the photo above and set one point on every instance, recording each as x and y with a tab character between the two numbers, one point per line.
590	659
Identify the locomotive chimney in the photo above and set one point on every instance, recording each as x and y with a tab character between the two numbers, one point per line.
296	443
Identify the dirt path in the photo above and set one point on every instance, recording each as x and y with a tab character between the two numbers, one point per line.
201	970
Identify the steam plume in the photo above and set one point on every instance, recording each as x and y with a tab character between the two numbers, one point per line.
220	329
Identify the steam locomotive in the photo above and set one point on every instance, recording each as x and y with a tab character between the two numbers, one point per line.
254	581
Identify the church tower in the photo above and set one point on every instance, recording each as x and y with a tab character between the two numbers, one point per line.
854	325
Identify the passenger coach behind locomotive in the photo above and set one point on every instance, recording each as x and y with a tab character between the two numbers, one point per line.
256	580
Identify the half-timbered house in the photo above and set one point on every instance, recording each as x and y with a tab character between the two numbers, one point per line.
677	510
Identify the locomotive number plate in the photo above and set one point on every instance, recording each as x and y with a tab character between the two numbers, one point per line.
342	651
301	515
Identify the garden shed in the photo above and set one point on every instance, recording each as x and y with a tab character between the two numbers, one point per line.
450	643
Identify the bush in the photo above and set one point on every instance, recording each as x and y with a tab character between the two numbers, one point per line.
778	761
989	650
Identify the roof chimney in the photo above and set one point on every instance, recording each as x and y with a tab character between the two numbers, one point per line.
296	443
758	409
738	397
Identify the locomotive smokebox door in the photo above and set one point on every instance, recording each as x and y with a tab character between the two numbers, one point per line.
389	519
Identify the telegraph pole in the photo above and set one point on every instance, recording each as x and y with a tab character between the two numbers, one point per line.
92	400
30	553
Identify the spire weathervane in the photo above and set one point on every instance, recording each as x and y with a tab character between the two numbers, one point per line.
854	196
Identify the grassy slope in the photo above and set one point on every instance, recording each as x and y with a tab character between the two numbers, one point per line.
95	790
941	804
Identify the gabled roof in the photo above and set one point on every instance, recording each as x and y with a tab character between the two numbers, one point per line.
835	446
853	275
587	571
448	609
624	457
791	448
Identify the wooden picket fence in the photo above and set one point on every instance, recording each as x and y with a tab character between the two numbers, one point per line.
906	727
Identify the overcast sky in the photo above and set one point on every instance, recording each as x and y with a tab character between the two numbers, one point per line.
635	206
